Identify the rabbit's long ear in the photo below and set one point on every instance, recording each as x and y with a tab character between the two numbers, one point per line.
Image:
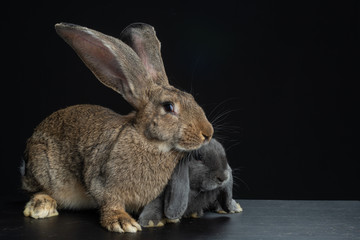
113	62
177	192
142	39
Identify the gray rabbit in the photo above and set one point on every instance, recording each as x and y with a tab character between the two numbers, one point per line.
202	183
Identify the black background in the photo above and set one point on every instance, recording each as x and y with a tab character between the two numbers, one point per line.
280	78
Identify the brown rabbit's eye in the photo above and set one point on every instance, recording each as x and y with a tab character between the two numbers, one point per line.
168	107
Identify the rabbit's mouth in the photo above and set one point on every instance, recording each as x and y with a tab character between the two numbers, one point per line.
190	142
187	147
181	148
217	181
183	145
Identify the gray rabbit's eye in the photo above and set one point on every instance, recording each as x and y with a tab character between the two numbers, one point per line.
168	107
198	156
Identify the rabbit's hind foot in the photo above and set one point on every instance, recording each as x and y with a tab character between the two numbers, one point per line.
41	205
153	223
197	214
177	220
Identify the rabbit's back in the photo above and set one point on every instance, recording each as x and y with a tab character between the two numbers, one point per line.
80	124
71	133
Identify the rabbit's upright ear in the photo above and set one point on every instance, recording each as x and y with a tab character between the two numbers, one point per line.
113	62
177	192
142	39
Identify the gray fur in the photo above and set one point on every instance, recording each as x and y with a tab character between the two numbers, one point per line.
195	186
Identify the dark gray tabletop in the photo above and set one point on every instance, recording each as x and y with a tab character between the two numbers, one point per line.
261	219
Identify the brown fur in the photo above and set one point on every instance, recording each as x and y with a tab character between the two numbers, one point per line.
89	156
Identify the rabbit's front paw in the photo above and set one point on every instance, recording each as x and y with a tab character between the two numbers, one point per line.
41	205
119	221
235	207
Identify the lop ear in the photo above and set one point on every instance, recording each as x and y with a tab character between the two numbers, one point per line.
142	39
226	194
177	191
113	62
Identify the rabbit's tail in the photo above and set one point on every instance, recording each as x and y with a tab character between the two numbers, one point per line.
28	181
22	167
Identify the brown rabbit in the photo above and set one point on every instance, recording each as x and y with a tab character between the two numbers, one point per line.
89	156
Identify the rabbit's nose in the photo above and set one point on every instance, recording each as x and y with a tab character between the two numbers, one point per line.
207	132
206	137
222	177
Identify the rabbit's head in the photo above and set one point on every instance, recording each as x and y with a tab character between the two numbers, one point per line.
207	170
133	67
208	167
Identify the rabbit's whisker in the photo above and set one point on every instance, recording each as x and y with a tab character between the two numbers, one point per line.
218	106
